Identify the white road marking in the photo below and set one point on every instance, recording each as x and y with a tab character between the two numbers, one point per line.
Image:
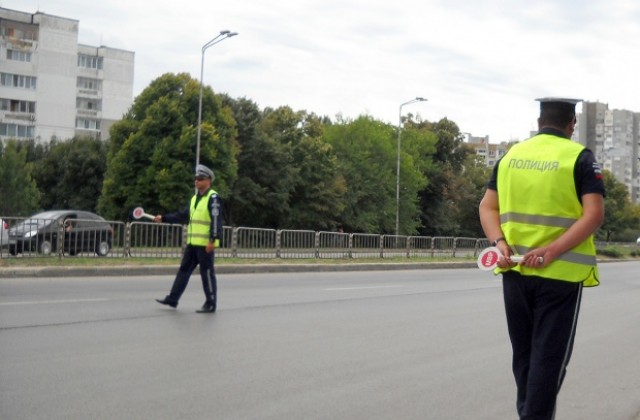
361	288
46	302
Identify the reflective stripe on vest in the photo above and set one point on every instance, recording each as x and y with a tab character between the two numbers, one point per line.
538	203
199	230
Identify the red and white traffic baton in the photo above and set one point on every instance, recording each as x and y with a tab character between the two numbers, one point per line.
488	258
138	213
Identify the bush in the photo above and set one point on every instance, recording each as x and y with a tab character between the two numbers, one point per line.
611	251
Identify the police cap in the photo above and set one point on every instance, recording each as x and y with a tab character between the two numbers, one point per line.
202	170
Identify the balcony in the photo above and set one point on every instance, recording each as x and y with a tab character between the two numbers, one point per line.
17	116
90	93
88	113
21	43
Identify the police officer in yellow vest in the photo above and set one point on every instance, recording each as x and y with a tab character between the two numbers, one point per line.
544	200
204	216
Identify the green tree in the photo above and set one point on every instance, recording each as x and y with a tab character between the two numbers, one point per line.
152	151
461	196
19	194
259	195
70	174
438	199
619	212
367	157
317	196
305	183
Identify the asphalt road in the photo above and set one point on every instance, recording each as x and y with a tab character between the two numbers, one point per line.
408	344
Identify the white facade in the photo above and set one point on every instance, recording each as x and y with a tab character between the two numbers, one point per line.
614	137
53	87
490	153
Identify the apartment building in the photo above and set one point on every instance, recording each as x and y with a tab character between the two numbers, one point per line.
614	137
53	87
490	153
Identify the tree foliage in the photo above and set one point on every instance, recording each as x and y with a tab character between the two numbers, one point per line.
444	197
70	173
367	160
316	200
152	151
620	214
18	190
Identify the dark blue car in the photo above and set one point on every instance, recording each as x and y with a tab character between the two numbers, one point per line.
76	231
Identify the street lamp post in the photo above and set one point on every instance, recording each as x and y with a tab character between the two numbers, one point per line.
417	99
219	38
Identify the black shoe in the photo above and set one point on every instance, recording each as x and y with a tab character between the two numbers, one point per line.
207	308
165	301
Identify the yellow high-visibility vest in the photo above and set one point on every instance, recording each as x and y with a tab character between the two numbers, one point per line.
539	202
199	230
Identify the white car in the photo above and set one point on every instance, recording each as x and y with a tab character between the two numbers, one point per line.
4	234
638	241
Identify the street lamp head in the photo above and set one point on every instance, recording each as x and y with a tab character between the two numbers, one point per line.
419	98
230	34
224	32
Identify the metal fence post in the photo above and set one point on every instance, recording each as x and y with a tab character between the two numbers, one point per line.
127	240
234	242
60	239
278	243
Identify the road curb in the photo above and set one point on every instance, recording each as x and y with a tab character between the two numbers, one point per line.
124	271
170	270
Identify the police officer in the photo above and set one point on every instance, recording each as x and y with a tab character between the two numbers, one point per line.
544	200
203	236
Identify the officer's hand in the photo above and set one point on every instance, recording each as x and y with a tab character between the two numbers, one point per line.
210	247
538	258
505	259
157	218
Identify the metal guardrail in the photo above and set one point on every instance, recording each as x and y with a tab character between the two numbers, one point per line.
159	240
27	238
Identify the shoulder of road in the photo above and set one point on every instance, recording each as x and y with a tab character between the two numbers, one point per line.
162	270
166	270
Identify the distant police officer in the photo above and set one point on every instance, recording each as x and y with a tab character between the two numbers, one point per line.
545	200
204	233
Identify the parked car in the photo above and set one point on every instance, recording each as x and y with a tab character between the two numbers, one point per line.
81	231
4	234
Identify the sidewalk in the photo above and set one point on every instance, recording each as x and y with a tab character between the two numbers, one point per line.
170	270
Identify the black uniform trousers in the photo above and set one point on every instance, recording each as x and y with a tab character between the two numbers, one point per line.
192	257
542	316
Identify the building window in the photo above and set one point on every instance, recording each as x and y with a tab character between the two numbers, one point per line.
89	104
19	55
15	105
16	130
87	124
17	80
90	61
89	83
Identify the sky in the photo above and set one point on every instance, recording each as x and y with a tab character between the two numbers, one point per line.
478	63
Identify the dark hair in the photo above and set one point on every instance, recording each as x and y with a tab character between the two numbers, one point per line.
555	117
